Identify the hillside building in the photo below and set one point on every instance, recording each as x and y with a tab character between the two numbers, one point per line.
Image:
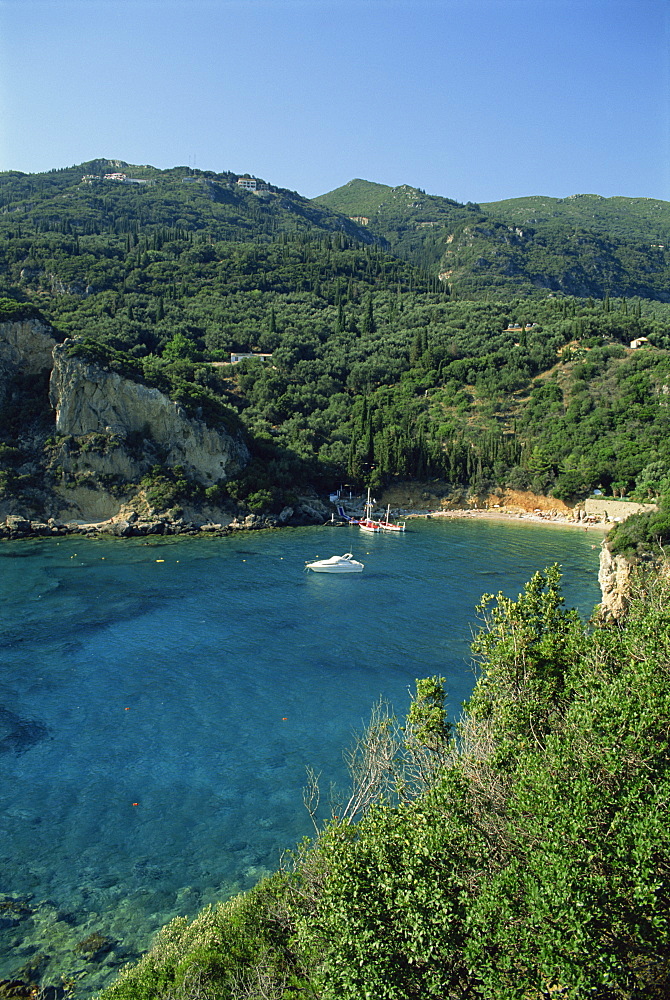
251	184
234	358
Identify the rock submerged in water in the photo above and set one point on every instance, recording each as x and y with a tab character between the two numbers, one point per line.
12	911
17	989
18	734
94	947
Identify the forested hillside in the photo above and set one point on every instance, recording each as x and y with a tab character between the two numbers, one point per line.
417	226
379	367
584	245
111	197
644	219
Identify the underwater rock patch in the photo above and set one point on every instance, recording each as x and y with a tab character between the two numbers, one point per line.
17	735
13	910
94	947
17	989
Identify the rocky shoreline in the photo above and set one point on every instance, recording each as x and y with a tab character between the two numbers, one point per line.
130	524
136	518
310	511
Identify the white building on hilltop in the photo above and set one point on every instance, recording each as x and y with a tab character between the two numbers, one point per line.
251	184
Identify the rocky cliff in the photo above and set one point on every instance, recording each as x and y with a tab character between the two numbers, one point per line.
124	428
615	575
26	418
621	577
27	344
26	347
67	423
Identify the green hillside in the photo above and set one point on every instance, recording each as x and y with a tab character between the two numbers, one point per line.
507	259
380	368
627	218
79	199
416	226
584	245
525	853
356	198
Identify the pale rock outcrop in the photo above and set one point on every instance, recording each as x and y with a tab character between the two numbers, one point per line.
90	400
621	578
615	577
26	346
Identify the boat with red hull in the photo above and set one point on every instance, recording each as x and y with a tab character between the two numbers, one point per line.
388	525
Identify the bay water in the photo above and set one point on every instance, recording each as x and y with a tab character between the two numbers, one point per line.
161	699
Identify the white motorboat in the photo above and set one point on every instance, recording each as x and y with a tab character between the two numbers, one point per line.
336	564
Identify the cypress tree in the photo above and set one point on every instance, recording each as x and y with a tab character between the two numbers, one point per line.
368	322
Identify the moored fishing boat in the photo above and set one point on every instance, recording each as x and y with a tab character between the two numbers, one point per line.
367	523
388	525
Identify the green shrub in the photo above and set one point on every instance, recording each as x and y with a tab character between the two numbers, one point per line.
166	489
259	501
642	533
11	310
217	955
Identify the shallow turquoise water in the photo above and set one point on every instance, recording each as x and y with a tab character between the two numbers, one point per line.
159	702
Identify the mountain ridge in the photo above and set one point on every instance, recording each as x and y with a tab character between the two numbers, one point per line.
584	245
580	245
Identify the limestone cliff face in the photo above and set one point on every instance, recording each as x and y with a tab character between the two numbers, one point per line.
614	576
620	576
135	427
27	345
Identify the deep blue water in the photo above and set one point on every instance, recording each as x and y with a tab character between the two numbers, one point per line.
159	702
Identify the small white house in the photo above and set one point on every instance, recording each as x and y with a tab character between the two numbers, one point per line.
640	342
234	358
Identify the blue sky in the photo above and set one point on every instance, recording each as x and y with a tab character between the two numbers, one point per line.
476	100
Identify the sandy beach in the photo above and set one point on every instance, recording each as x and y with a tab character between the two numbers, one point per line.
500	514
